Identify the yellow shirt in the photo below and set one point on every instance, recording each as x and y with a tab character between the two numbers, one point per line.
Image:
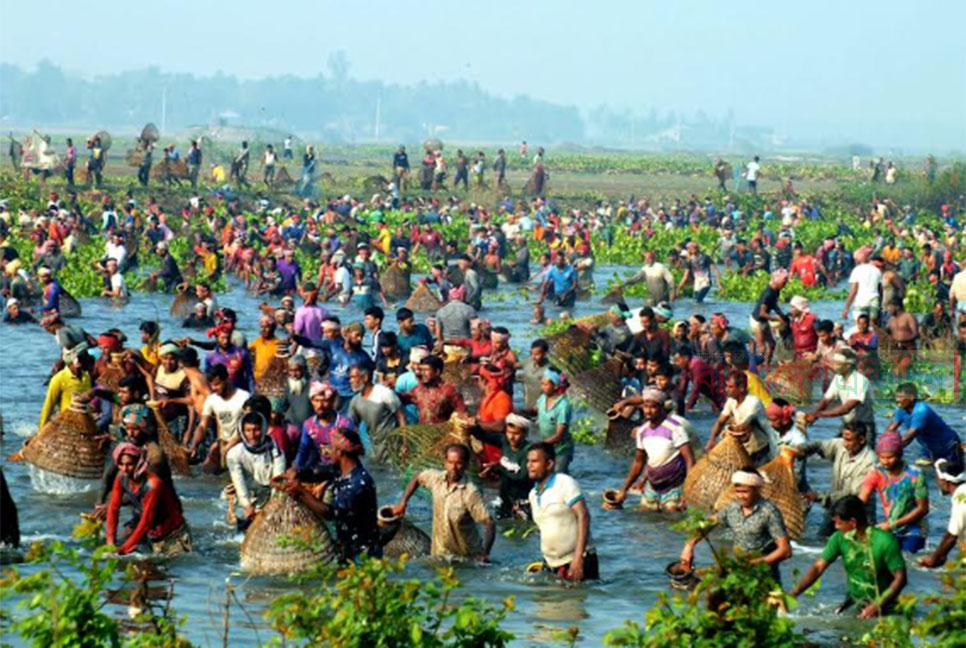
262	351
60	392
218	173
211	264
383	239
150	352
756	387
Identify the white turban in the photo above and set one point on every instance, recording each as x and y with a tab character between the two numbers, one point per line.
799	303
517	421
942	465
742	478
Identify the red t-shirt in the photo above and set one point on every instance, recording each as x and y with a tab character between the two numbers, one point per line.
805	268
804	336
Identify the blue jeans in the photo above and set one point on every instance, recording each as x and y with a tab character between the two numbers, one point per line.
701	294
912	543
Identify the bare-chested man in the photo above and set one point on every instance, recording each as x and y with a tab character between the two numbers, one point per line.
198	391
904	330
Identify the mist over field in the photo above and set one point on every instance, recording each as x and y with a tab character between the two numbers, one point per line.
885	77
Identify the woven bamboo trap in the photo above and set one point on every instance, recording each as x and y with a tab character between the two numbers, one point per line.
67	446
599	387
183	305
272	382
265	549
711	474
406	539
418	447
423	300
793	382
781	489
570	350
395	283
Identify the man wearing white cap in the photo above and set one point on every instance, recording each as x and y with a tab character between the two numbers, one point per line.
952	481
14	315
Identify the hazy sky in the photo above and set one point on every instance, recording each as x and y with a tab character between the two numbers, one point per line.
843	68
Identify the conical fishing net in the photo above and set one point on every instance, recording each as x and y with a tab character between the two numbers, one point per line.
67	446
285	537
395	283
711	474
793	382
408	539
423	300
183	304
599	387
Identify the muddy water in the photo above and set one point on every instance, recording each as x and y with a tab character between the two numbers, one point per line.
634	547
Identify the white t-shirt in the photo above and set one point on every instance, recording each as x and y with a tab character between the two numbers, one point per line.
118	285
556	520
342	279
957	514
228	413
855	386
869	278
752	173
750	410
116	252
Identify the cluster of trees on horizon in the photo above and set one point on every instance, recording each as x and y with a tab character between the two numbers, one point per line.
336	108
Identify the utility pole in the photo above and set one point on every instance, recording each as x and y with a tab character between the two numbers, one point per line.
378	110
164	109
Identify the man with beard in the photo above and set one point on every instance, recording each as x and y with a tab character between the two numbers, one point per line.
168	274
236	361
436	400
313	461
294	405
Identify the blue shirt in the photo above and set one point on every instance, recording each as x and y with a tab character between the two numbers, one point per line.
564	279
420	336
932	432
340	362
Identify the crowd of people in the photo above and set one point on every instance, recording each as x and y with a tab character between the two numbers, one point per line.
351	378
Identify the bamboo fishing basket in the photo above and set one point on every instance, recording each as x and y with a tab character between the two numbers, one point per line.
264	549
570	350
407	538
184	304
423	300
178	455
67	445
175	169
599	387
620	433
781	489
793	382
272	381
110	378
711	475
418	447
69	307
395	283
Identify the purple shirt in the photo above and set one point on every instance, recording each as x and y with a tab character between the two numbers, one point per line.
237	362
315	435
308	321
290	272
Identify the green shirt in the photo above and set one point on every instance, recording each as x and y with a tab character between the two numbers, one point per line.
548	420
869	565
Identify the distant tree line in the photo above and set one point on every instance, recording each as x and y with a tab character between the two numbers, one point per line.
333	106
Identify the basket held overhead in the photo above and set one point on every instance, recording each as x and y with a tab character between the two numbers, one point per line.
711	474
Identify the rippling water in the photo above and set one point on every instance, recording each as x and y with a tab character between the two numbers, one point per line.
634	547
